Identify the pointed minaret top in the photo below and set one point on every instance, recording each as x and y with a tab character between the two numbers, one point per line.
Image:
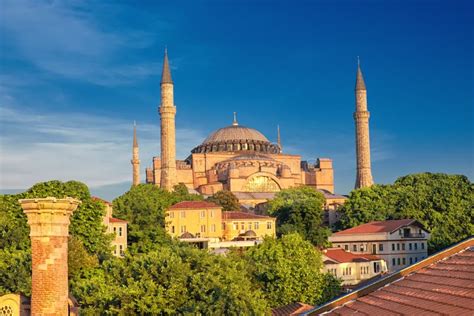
166	74
234	123
135	141
360	84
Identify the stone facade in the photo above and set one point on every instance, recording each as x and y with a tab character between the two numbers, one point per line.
361	118
115	226
49	230
135	159
168	130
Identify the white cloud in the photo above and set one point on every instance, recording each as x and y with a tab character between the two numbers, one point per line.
92	149
64	38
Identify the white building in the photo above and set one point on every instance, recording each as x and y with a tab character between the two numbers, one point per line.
399	242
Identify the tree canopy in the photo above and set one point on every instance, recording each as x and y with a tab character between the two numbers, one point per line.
443	203
300	210
226	199
289	270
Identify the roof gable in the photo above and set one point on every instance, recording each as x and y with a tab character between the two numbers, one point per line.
194	205
378	227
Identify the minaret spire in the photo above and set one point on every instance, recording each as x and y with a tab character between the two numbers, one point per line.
361	117
234	123
135	158
279	138
168	129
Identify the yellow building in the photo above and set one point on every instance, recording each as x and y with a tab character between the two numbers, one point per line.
247	226
202	221
190	219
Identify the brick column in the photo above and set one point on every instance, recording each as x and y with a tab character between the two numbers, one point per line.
49	229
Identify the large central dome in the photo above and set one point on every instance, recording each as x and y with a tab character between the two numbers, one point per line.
236	138
235	132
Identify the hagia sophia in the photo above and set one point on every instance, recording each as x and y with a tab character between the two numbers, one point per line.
242	160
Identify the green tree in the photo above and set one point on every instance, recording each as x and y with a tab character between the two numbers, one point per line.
443	204
226	199
300	210
289	270
15	247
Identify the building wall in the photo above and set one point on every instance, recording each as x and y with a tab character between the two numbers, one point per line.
352	273
262	227
202	222
119	243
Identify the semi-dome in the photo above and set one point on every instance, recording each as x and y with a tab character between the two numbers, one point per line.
236	138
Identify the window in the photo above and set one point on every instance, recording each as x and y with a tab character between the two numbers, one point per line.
422	245
171	214
393	261
361	247
115	230
269	225
250	226
416	246
236	226
203	228
256	225
346	247
121	250
354	248
115	250
183	214
403	246
404	261
376	267
380	247
411	260
398	261
242	226
211	213
213	228
223	226
203	214
416	259
172	229
393	247
120	231
410	246
183	228
398	247
400	232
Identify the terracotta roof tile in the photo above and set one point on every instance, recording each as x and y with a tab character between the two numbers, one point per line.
291	309
440	284
340	255
116	220
95	198
377	227
194	204
243	215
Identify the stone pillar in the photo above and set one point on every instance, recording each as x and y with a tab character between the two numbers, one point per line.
49	230
135	159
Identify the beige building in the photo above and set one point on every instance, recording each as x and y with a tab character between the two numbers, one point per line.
399	242
205	224
115	226
235	158
352	268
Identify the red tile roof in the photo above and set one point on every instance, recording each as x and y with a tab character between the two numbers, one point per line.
377	227
440	284
116	220
243	215
194	204
291	309
95	198
340	255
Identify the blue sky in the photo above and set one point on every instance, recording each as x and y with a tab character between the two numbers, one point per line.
75	75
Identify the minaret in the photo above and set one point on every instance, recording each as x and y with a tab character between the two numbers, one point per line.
135	159
361	117
168	130
279	139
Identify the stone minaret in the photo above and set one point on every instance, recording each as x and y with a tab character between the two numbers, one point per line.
361	117
49	230
168	129
135	159
279	139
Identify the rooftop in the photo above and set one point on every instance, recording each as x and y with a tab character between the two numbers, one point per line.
340	255
95	198
194	205
243	215
440	284
116	220
291	309
377	227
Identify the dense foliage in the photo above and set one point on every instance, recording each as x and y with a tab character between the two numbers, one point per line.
300	210
226	199
289	270
86	228
443	203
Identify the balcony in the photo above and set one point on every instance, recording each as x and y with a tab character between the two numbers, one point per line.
413	235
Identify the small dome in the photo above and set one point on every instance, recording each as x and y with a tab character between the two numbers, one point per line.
249	233
187	235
